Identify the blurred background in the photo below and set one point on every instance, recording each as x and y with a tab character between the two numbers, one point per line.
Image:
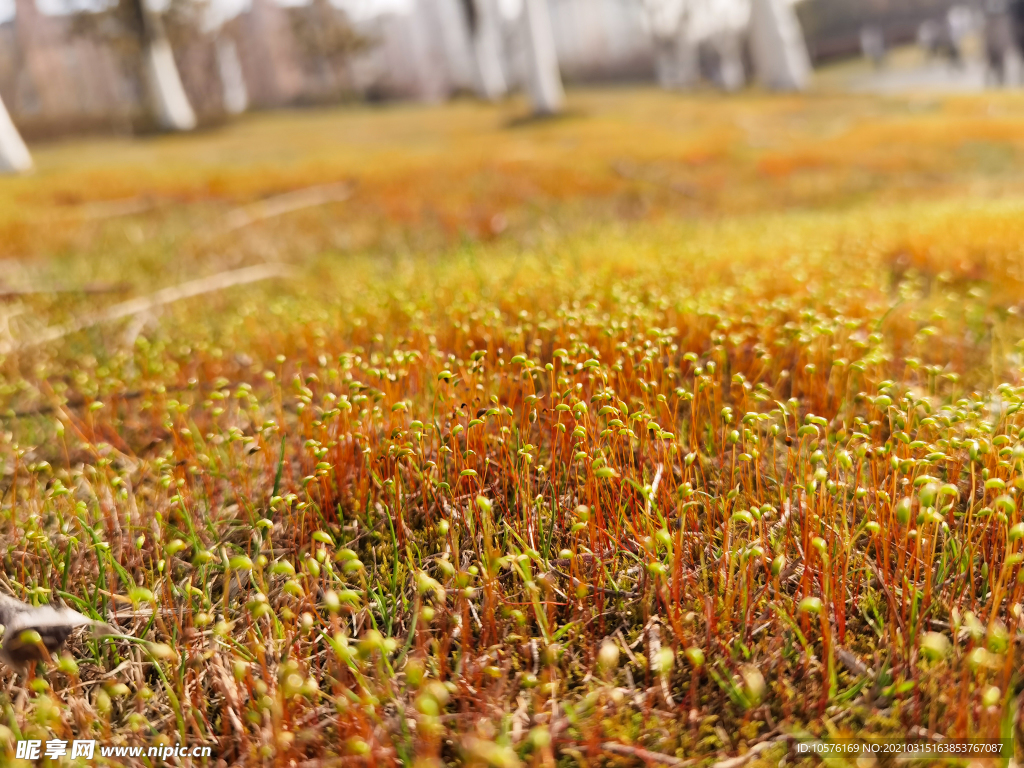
72	67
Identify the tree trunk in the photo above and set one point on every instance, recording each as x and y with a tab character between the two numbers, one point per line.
676	64
453	37
777	46
267	48
544	81
726	68
14	156
424	53
167	96
41	77
236	95
484	24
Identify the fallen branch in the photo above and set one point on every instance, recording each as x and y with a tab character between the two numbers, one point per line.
161	298
278	205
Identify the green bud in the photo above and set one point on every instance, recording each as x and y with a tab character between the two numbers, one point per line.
778	564
608	656
810	605
903	511
927	494
695	656
934	645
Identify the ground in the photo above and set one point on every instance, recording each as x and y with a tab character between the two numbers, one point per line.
676	430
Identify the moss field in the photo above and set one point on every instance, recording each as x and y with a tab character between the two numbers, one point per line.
675	431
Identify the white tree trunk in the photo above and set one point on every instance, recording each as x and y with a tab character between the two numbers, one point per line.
676	64
236	95
170	104
14	156
727	69
486	35
777	46
544	81
454	41
423	53
1013	68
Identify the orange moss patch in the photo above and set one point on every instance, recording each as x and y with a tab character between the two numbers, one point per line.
458	166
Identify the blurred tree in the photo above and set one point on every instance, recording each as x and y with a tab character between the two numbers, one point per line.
543	81
42	86
138	35
14	156
676	64
1002	36
777	46
723	60
232	78
269	55
325	41
484	23
721	27
832	27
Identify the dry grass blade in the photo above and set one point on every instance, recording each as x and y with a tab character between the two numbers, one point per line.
153	301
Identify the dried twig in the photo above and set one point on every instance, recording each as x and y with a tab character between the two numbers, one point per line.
645	754
741	760
278	205
654	647
893	605
112	209
851	662
93	288
602	590
161	298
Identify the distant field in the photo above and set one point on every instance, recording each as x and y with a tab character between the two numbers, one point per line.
675	431
447	171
